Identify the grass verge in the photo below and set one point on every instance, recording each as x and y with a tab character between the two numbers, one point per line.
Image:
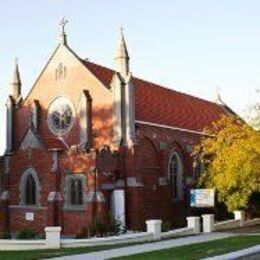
48	253
200	250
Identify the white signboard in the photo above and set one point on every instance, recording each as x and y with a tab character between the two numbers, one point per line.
29	216
202	198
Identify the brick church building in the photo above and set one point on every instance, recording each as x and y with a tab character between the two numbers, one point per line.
88	140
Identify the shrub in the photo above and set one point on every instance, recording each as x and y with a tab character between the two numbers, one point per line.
5	235
166	226
26	233
100	227
254	206
114	227
40	236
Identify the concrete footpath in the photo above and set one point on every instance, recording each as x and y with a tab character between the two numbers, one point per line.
148	247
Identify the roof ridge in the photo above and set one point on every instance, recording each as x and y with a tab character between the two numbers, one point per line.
176	91
154	84
97	64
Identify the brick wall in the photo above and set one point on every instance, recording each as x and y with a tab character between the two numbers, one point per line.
148	164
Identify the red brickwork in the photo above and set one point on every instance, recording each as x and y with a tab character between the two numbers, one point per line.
150	162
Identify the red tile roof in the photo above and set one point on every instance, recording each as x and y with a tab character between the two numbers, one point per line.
160	105
104	74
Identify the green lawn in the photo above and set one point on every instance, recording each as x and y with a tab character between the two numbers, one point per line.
195	251
198	251
47	253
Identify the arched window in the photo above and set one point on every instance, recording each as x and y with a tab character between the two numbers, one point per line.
30	191
175	172
29	188
76	192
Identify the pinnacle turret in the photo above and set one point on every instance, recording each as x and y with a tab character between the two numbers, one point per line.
121	56
16	84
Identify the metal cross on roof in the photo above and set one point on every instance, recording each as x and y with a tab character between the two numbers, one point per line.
63	23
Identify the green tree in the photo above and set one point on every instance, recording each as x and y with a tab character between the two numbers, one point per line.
231	156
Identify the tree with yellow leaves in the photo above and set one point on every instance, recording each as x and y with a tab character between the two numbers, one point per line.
231	156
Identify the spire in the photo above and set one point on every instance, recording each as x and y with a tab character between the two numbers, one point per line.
121	56
17	79
16	84
63	35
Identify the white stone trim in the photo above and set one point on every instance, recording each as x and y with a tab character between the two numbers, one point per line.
53	237
62	99
54	195
171	127
154	226
129	111
32	207
5	195
9	125
133	182
208	223
55	161
194	223
123	110
7	160
111	240
120	183
108	186
116	86
85	115
95	196
163	181
30	140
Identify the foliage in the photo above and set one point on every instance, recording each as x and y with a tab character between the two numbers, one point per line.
100	227
231	155
26	233
166	226
254	206
5	235
40	236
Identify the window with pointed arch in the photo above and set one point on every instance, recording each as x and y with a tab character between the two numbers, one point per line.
29	188
30	191
76	192
175	175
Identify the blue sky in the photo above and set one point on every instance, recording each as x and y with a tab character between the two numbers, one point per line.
192	46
